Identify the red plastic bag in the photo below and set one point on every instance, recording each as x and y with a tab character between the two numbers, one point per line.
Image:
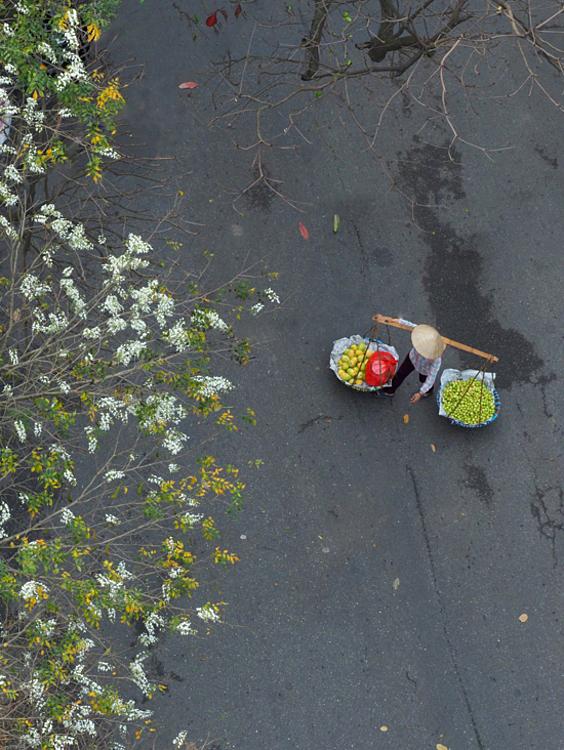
380	368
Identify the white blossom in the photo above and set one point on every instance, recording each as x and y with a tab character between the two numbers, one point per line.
257	308
185	628
207	613
92	439
78	304
211	385
31	286
9	230
48	52
138	674
178	741
7	196
112	305
174	441
153	624
11	174
271	296
92	333
192	519
203	317
129	351
5	516
113	474
31	589
20	430
53	323
112	520
178	336
67	516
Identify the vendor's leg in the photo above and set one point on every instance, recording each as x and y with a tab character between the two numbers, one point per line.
422	379
404	369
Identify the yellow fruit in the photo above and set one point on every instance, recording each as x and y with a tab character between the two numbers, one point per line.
359	381
351	372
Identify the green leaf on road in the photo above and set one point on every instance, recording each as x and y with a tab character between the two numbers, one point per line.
336	223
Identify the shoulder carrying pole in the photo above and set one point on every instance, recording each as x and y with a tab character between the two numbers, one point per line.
386	320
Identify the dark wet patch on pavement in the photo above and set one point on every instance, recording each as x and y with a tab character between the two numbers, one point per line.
453	269
552	161
477	480
260	195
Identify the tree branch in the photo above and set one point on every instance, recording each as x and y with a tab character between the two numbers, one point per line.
311	43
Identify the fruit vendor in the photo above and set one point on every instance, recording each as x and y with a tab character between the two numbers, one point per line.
425	357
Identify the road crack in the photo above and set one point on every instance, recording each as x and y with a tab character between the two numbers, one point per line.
442	609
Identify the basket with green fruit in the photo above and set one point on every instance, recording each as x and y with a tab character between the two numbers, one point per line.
468	398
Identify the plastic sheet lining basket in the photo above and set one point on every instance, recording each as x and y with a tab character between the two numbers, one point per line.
488	379
339	347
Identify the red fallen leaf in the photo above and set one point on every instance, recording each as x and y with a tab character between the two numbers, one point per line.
304	231
188	85
238	10
211	20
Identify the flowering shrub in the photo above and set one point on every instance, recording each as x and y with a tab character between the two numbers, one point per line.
106	370
49	68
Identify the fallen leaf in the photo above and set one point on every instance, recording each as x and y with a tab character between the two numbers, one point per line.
433	447
384	728
396	584
238	10
188	85
441	747
211	20
304	231
523	617
336	223
406	418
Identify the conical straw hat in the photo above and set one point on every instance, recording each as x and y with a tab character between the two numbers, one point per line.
427	341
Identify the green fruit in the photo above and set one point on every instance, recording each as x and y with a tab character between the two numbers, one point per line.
470	402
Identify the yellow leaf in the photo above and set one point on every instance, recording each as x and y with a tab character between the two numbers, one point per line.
93	32
433	447
384	728
406	418
523	617
441	747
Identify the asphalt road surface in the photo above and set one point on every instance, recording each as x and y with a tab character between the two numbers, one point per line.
381	582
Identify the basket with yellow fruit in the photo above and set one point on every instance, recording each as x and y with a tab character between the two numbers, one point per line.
362	363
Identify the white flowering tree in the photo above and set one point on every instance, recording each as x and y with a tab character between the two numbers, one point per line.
106	370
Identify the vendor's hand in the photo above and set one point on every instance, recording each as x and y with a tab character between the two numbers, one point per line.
415	398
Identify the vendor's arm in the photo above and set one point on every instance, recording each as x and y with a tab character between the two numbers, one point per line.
431	377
